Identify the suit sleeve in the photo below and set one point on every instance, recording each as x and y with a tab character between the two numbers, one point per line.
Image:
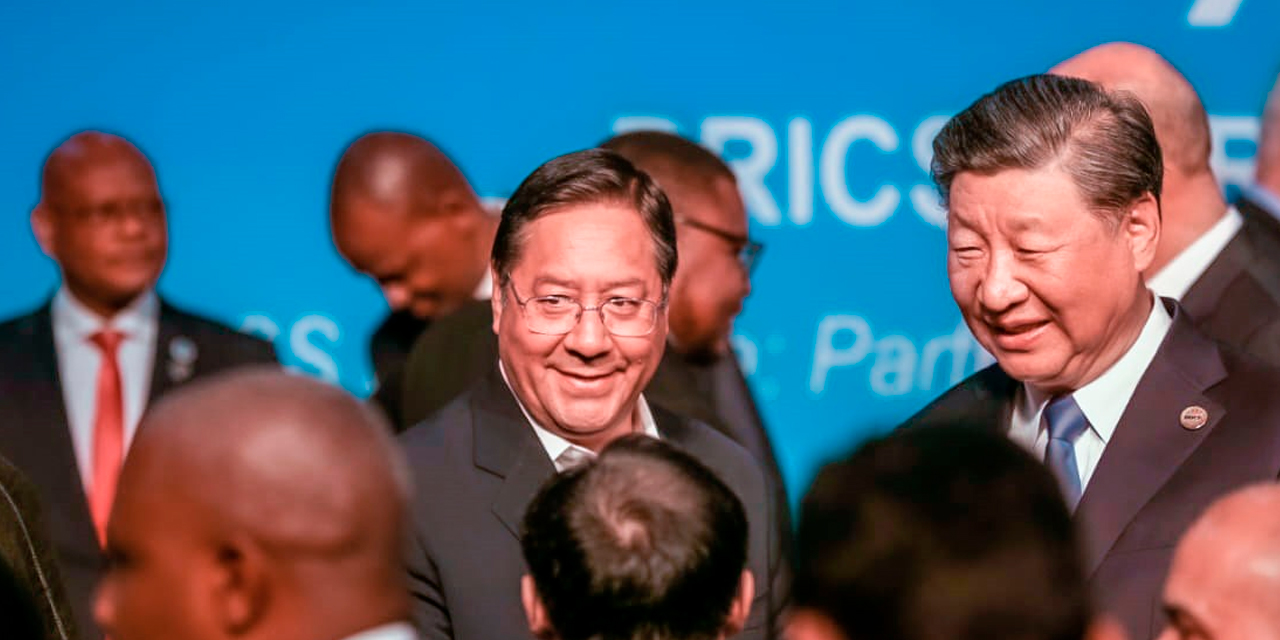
430	611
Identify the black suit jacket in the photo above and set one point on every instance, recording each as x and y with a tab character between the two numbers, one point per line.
33	602
1155	477
389	347
477	464
34	433
1237	299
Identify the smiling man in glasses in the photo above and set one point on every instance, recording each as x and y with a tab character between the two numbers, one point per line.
582	265
698	375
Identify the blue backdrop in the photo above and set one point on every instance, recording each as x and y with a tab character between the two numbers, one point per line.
825	108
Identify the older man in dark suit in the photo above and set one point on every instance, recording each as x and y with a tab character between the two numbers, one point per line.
78	372
1221	262
1052	186
582	264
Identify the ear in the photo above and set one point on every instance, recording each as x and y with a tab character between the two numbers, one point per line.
495	299
242	591
809	624
43	229
1105	628
1142	226
741	606
534	612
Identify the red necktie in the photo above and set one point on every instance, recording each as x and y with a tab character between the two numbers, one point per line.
108	432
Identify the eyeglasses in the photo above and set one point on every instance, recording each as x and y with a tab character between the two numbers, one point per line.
748	254
558	315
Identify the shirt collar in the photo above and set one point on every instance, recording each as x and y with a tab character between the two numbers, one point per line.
135	320
1176	278
392	631
556	445
1104	400
1268	199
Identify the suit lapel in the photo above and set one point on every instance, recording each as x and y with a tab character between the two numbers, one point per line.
167	331
49	439
506	446
1150	444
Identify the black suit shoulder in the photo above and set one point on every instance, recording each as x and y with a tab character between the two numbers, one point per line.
980	401
230	346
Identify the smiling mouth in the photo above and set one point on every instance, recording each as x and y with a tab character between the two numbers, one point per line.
1017	336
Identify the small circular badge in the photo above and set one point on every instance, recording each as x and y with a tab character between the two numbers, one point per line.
1194	417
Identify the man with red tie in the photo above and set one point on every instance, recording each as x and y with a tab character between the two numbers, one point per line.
77	373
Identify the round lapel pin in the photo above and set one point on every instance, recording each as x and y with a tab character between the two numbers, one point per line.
1194	417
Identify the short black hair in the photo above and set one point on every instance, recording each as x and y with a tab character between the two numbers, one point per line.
1104	140
643	543
585	177
941	533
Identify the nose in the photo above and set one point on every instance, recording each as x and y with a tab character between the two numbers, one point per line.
589	339
1001	288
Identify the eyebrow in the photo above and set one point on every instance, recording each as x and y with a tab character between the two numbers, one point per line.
571	284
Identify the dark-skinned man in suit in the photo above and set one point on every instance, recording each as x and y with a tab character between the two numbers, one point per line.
79	371
402	213
1053	192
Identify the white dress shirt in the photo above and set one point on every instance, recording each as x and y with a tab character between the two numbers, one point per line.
79	359
393	631
1176	278
555	445
1102	401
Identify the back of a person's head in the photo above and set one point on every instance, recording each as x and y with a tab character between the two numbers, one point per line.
643	543
940	534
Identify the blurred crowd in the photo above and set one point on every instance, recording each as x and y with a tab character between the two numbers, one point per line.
562	444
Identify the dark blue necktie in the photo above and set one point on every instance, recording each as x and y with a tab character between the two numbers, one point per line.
1066	423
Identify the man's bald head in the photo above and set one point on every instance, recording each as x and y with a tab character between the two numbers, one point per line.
1225	578
711	233
1181	124
82	151
1268	160
284	485
101	218
403	214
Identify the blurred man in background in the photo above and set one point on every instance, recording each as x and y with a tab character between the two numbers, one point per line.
642	542
940	534
1263	197
1223	264
1225	579
78	372
403	214
259	506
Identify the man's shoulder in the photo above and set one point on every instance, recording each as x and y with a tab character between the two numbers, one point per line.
727	458
229	343
22	327
973	401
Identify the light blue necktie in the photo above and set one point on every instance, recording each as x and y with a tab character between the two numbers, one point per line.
1066	423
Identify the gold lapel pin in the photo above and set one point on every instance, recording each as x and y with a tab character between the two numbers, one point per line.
1193	417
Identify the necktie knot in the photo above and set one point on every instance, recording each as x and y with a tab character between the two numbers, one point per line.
108	340
1065	419
573	457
